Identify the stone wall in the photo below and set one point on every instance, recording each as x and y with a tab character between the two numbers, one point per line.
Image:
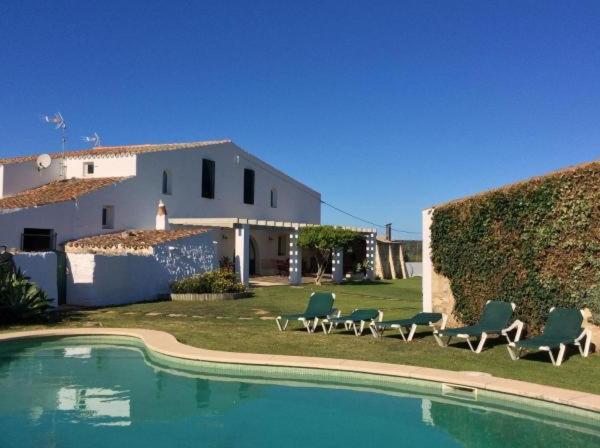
442	300
389	260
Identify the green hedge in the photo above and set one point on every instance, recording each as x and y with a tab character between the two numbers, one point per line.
214	282
536	243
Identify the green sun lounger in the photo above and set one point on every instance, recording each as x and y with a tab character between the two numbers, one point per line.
357	320
562	328
319	307
494	320
429	319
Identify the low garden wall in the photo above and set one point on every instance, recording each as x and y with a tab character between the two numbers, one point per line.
536	243
41	268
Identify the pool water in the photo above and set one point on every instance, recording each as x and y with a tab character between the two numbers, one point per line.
58	393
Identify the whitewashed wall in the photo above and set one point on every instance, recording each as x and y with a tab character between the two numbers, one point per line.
414	269
296	202
41	268
99	280
17	177
135	200
123	166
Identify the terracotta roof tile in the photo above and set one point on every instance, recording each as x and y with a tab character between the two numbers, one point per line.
57	191
113	151
132	239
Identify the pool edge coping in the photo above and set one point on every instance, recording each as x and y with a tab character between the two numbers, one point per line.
166	344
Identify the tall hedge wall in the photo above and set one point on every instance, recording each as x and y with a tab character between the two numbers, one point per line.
536	243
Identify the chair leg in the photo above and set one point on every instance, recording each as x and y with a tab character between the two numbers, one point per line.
514	354
401	331
588	343
315	324
306	324
413	328
374	331
481	342
439	339
278	322
470	345
561	355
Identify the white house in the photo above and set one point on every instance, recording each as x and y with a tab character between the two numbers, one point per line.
244	209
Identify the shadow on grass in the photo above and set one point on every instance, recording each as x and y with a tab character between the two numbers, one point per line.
365	283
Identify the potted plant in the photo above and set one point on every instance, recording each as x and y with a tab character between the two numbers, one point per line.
359	272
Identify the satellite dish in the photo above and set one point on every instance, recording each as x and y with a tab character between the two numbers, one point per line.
43	161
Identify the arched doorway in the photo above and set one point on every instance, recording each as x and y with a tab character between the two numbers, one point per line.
253	257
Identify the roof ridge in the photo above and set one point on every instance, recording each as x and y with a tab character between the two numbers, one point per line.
56	191
116	150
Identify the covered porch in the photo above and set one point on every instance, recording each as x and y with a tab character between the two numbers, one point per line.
262	249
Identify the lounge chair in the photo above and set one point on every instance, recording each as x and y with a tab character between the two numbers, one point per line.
562	328
429	319
357	320
494	320
319	307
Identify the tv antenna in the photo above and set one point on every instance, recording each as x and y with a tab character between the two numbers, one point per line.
60	123
94	140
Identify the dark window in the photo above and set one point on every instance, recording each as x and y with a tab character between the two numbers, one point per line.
281	245
208	179
88	168
38	240
248	186
273	198
166	182
108	217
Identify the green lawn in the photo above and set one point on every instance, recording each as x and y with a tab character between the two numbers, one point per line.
220	328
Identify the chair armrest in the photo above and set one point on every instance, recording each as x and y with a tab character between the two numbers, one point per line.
516	325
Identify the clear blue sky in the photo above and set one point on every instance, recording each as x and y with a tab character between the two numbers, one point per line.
384	107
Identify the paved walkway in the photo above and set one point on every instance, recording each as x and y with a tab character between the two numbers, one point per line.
275	280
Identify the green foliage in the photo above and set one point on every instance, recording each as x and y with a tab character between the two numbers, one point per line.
326	238
215	282
20	300
536	243
323	240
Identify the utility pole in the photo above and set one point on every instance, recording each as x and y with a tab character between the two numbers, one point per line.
388	231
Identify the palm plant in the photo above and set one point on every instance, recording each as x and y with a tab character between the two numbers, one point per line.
20	300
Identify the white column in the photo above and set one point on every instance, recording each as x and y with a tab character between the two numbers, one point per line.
337	266
371	249
295	258
242	253
427	265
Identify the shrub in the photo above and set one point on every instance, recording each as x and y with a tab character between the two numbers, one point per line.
20	300
214	282
536	243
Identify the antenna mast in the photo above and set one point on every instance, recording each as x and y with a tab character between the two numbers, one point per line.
61	124
93	139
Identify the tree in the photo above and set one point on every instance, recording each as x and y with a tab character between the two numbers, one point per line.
324	240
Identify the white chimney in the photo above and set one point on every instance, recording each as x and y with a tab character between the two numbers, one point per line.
162	222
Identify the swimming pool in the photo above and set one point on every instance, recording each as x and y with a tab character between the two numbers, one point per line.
99	392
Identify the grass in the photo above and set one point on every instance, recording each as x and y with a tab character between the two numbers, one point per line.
219	327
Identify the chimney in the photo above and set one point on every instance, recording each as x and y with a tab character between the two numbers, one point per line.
162	222
388	232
